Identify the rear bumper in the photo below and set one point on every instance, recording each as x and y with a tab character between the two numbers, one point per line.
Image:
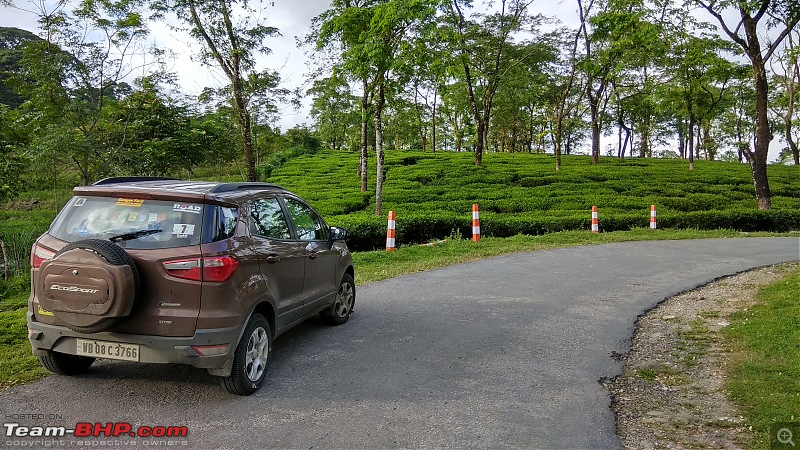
152	349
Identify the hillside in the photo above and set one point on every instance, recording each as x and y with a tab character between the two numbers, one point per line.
521	193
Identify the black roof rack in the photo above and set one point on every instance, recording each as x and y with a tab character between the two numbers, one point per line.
115	180
229	187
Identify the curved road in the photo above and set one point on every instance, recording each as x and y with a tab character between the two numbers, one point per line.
500	353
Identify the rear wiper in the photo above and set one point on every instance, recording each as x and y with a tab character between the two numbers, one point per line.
133	235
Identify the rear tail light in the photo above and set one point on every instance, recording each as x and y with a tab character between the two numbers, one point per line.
40	255
215	270
211	350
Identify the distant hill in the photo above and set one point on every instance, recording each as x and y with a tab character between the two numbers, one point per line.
522	194
12	40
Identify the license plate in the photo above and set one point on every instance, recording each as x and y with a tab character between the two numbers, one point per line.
111	350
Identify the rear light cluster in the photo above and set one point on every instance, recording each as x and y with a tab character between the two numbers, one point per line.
39	255
215	270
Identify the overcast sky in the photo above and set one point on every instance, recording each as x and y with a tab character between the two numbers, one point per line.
292	19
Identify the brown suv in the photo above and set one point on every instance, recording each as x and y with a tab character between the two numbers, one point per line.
169	271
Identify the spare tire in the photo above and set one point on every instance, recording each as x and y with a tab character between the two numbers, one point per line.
90	285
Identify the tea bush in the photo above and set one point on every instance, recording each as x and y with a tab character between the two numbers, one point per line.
433	194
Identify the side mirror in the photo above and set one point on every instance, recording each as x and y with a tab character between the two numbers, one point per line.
337	234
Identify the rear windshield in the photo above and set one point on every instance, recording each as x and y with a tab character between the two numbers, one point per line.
138	223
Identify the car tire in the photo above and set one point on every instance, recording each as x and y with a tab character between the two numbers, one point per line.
65	364
115	256
343	303
251	358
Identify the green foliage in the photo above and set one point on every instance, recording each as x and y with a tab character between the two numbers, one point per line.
432	195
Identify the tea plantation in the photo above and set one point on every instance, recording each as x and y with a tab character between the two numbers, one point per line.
433	194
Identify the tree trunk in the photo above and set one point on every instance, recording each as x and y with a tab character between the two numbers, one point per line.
379	147
364	155
595	130
758	163
690	134
433	122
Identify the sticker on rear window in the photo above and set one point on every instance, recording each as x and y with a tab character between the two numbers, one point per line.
183	207
132	202
79	201
152	217
182	230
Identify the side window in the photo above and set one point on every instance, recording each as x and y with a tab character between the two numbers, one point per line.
309	226
225	222
268	220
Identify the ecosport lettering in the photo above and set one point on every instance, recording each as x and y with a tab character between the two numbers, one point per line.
58	287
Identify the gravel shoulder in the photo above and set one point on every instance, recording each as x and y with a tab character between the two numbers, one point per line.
671	391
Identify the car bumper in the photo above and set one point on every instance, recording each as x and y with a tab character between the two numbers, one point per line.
152	349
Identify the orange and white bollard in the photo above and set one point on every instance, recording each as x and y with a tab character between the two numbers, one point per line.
595	221
653	224
390	229
476	223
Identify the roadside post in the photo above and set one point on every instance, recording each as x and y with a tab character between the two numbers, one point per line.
390	230
476	223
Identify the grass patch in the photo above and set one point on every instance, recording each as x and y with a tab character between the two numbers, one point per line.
764	378
694	342
19	365
663	374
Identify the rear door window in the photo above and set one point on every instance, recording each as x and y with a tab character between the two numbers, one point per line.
145	224
268	219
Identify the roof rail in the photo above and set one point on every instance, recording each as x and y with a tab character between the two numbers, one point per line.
228	187
115	180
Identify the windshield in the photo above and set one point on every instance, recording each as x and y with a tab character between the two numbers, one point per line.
132	223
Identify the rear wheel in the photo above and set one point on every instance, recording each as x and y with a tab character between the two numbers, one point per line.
64	364
251	358
343	304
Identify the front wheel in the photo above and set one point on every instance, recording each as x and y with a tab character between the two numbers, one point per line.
343	304
251	358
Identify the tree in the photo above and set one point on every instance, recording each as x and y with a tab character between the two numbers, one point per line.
788	79
779	16
334	108
230	41
72	75
339	30
482	48
12	40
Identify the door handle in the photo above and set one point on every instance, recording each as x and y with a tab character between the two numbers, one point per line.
272	259
312	255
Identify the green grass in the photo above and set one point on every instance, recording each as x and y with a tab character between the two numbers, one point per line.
19	365
764	379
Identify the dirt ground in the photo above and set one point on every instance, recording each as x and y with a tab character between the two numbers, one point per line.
671	392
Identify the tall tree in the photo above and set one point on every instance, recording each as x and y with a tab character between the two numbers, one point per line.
482	48
752	18
78	70
340	31
231	38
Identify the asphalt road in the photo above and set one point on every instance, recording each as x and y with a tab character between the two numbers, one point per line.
501	353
